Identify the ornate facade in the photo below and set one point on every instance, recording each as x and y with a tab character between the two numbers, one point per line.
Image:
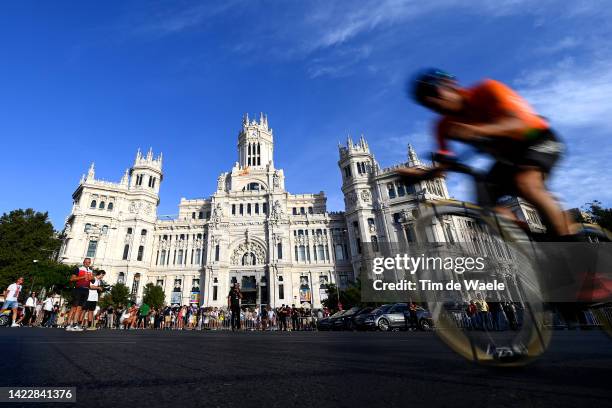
282	248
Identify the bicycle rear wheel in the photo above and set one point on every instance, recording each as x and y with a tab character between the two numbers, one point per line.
507	328
602	285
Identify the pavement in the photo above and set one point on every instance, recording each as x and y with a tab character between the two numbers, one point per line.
144	368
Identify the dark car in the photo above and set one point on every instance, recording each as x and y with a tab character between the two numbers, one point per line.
347	320
326	322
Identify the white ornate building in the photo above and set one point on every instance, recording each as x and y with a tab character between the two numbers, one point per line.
282	248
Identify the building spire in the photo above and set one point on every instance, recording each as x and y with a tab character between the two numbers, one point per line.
362	141
413	158
125	178
91	173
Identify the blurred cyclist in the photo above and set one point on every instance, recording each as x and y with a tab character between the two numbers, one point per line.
496	119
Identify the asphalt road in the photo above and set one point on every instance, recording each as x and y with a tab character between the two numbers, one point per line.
298	370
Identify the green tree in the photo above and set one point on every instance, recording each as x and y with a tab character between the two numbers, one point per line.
332	297
599	214
349	297
118	295
25	236
153	295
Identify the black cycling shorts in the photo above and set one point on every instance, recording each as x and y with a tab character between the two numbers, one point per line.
79	296
542	154
90	305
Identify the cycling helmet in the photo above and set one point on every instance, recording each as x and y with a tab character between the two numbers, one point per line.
425	84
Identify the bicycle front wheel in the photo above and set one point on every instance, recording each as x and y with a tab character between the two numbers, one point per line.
492	315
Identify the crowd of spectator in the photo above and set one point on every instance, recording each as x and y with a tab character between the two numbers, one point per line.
479	314
284	318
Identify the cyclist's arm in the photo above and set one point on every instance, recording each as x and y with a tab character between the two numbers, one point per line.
511	127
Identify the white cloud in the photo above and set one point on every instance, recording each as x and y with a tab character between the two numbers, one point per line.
571	95
340	63
163	21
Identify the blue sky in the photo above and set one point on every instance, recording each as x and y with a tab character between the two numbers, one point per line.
85	81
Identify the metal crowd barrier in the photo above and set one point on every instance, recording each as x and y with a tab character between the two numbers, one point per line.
252	324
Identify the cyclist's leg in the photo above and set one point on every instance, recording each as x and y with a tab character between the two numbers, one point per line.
530	185
498	182
533	165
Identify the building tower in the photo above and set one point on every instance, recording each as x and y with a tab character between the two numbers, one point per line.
356	165
146	173
113	222
255	143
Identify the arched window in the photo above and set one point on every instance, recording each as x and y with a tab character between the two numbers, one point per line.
93	204
91	248
135	284
87	227
104	229
254	186
198	255
126	252
140	253
110	207
143	232
391	190
121	278
339	252
102	205
279	247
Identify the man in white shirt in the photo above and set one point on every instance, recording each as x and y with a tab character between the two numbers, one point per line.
95	287
30	305
47	310
11	294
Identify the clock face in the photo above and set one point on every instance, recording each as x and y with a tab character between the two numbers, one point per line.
365	195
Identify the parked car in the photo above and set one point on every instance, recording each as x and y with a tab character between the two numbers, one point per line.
347	320
395	317
337	321
366	322
326	322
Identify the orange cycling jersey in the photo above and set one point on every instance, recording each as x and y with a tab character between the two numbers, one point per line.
488	102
